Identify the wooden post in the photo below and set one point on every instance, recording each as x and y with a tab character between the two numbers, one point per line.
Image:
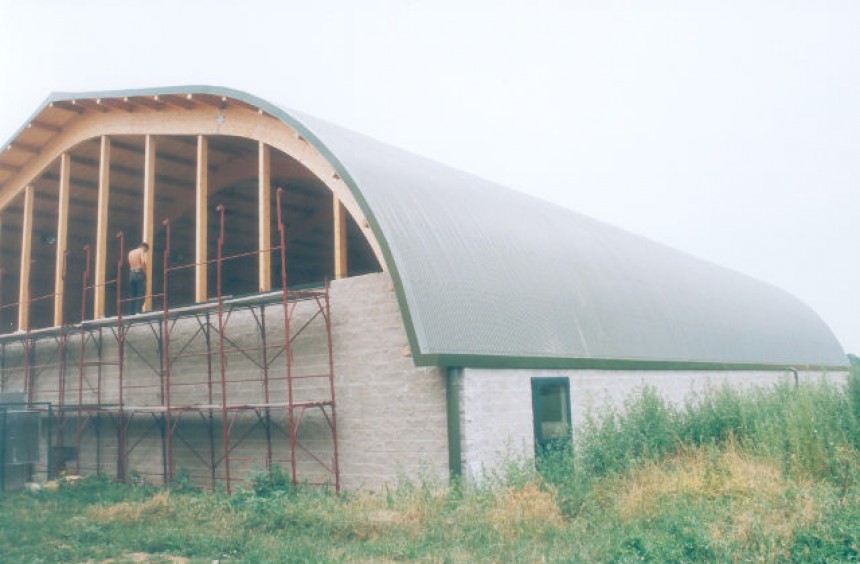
265	216
62	238
26	246
340	264
148	213
101	230
202	209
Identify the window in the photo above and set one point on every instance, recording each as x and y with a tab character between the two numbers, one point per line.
551	410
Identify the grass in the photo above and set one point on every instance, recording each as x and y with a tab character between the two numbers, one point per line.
769	475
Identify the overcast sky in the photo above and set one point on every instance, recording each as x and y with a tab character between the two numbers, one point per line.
729	130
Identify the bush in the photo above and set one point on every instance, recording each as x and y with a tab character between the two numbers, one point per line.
717	415
611	441
853	393
266	483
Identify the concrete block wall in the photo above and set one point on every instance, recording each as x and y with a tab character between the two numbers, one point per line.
496	418
390	415
12	377
497	421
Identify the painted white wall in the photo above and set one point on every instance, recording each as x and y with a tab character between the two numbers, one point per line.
496	404
496	418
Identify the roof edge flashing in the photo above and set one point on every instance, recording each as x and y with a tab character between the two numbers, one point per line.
549	363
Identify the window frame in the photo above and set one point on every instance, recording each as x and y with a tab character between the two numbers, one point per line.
537	385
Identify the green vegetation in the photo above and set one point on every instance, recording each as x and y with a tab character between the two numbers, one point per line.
734	475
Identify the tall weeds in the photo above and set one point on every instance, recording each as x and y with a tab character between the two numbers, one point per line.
733	474
804	425
811	430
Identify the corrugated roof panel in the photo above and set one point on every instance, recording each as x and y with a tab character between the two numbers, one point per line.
489	272
487	276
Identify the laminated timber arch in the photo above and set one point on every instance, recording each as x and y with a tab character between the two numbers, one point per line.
64	124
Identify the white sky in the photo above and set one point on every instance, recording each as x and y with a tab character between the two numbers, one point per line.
730	130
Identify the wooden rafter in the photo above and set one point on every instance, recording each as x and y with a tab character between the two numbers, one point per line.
39	124
176	100
24	147
245	105
117	104
219	102
68	107
91	105
150	102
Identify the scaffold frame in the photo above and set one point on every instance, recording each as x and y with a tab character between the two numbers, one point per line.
91	414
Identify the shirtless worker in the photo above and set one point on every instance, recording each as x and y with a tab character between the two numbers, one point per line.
137	278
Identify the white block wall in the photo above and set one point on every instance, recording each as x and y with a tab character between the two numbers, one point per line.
496	405
391	415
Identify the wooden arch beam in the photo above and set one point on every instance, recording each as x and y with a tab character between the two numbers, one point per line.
241	121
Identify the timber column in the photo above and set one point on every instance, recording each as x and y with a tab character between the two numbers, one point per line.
202	230
340	250
264	217
101	230
148	215
62	238
26	246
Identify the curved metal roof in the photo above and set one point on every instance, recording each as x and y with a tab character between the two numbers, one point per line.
487	276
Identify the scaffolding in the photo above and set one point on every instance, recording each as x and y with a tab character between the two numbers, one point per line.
214	390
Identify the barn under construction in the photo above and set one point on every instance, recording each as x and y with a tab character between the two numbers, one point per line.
324	302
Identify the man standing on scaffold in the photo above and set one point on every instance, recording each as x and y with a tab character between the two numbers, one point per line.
137	277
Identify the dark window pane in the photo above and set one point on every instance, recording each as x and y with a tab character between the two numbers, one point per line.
551	406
